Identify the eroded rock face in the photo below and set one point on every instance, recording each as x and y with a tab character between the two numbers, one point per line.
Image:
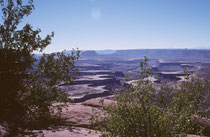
75	120
97	102
75	123
78	115
65	132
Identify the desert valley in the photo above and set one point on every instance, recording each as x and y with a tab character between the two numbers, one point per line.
103	75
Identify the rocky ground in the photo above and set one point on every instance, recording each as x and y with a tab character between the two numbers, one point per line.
77	124
77	121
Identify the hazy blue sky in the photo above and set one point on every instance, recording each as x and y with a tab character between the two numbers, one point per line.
123	24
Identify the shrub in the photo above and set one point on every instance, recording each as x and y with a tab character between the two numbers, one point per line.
143	111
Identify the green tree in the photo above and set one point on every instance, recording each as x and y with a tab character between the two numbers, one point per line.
143	111
28	84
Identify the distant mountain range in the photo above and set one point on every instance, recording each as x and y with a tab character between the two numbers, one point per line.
107	51
181	54
165	54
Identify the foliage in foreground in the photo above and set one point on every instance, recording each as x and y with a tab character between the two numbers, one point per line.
28	83
143	111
